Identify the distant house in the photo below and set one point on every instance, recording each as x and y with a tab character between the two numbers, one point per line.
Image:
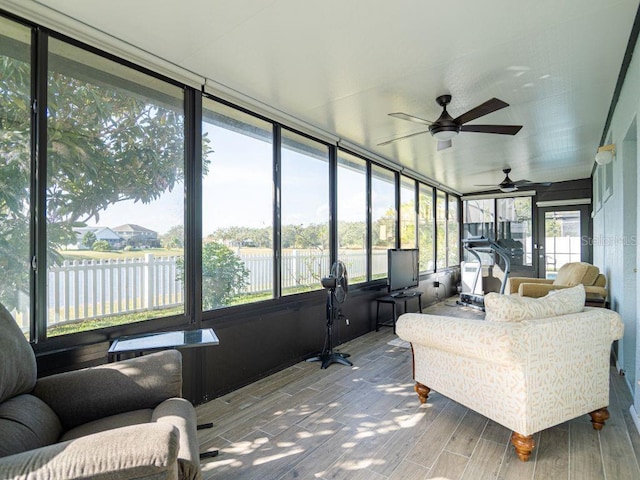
101	233
137	236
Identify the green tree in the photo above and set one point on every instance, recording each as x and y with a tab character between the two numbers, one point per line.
174	238
101	246
105	145
352	234
224	275
88	239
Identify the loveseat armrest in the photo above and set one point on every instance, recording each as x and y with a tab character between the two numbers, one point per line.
595	290
497	342
85	395
514	282
134	452
537	289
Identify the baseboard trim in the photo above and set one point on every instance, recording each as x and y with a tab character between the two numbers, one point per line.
635	418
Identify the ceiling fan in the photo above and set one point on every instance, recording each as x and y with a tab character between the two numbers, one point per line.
447	127
507	185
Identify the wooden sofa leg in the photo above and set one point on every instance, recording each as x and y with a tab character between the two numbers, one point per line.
598	417
422	391
524	445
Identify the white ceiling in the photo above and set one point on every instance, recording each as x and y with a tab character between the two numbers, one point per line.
343	65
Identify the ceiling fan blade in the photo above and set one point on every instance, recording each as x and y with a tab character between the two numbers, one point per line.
485	185
444	144
499	129
401	138
484	109
522	183
410	118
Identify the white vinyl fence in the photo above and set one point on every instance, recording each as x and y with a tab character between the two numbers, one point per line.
86	289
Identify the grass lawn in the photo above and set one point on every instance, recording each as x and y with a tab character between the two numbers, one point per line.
110	321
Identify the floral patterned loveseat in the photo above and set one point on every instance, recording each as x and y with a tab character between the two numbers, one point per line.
532	363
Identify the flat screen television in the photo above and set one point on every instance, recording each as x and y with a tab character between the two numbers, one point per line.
403	271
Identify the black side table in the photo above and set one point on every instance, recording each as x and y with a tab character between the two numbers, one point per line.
150	342
393	301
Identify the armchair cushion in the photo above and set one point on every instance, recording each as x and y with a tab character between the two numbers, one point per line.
82	396
515	282
135	417
134	452
573	273
176	412
512	308
18	365
179	413
26	423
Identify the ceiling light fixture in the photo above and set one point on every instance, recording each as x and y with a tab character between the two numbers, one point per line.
444	132
507	185
605	154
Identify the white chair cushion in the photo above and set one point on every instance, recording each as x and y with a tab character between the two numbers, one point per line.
513	308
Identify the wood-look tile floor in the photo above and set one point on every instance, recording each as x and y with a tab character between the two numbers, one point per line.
365	422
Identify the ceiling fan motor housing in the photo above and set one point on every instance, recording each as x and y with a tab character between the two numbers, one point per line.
444	128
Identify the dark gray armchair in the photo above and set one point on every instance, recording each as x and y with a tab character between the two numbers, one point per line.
122	420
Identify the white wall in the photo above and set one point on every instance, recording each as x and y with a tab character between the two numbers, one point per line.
615	249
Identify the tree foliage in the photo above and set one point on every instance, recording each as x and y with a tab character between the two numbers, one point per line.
101	246
105	145
224	275
88	239
174	238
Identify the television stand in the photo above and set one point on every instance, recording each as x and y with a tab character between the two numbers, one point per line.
392	300
410	294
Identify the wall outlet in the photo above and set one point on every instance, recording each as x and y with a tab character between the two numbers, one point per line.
436	284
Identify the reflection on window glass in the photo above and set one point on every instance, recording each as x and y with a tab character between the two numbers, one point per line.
305	213
15	146
426	229
478	218
441	229
352	216
407	213
114	192
514	229
453	233
383	219
237	208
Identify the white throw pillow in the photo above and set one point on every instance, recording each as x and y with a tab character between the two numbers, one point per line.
513	308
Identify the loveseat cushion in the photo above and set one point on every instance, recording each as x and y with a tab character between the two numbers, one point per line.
514	308
26	423
18	365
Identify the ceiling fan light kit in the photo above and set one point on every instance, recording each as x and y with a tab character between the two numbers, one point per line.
446	127
605	154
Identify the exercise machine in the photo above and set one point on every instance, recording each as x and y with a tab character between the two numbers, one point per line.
472	293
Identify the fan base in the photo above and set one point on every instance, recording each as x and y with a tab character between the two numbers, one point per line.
327	358
443	100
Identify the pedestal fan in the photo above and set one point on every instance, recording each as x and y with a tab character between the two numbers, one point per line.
337	286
